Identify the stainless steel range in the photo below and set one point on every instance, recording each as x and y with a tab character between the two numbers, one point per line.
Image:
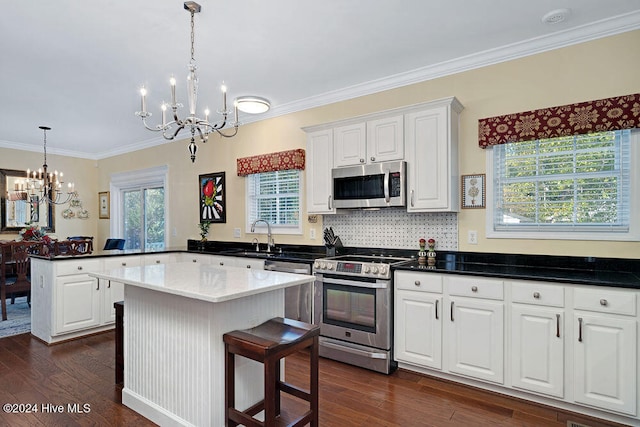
353	304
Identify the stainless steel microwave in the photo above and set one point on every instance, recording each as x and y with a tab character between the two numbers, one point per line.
376	185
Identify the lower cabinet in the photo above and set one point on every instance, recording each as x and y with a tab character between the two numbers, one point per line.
68	303
418	320
537	338
77	303
567	345
605	357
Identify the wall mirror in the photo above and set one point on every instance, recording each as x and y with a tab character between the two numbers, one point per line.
18	207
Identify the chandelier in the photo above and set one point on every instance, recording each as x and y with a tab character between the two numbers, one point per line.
47	185
203	127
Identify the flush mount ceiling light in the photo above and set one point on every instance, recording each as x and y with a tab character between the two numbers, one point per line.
556	16
252	104
202	126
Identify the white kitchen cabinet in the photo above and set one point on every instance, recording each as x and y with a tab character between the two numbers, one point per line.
77	303
318	174
350	145
537	338
605	343
418	319
431	144
373	141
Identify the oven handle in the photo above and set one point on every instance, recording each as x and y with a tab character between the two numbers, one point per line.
369	354
372	285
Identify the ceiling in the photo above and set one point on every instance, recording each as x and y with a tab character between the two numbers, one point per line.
77	66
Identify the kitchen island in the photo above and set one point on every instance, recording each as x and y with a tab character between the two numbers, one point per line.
175	315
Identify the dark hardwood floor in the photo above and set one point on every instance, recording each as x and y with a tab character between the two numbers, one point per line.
82	372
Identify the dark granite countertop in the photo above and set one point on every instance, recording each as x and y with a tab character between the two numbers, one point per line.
623	273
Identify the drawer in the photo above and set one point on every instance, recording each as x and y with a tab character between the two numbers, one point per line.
121	261
424	282
605	301
537	293
66	268
475	287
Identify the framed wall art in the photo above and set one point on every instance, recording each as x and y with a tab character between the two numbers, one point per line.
473	191
211	188
104	205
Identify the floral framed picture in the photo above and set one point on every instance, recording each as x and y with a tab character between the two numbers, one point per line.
473	191
211	188
103	205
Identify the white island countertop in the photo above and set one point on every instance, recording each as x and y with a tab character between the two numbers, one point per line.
202	281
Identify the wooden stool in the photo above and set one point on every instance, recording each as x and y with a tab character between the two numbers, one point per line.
268	343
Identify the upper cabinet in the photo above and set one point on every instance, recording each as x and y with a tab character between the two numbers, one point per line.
424	135
431	140
372	141
319	165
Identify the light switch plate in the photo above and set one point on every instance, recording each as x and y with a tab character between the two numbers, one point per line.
236	233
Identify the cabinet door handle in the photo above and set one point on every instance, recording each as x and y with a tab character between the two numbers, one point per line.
579	329
108	284
452	311
97	284
412	198
329	202
437	309
536	295
558	325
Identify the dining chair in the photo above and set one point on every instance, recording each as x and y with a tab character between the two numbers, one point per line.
20	283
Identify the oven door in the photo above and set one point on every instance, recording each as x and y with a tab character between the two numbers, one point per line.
354	310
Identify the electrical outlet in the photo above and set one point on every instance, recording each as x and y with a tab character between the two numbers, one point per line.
236	233
472	237
312	233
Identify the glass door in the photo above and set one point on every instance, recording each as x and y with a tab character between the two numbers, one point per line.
144	218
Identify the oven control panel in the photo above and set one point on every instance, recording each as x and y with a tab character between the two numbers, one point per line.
376	270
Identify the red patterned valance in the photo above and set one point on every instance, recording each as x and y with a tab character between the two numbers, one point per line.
621	112
283	160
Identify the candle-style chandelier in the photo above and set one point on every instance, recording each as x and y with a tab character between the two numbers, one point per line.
203	127
48	186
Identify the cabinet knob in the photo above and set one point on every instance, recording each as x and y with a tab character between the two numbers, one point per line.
536	295
193	260
157	261
604	302
248	265
373	159
79	267
361	160
124	264
417	283
221	263
474	289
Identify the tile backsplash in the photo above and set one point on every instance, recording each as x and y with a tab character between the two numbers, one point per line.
394	228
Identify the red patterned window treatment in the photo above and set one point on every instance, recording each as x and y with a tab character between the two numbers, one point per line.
283	160
621	112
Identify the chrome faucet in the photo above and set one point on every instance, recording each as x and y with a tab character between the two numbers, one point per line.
270	242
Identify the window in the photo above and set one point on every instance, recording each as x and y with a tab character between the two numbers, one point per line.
275	197
574	187
140	200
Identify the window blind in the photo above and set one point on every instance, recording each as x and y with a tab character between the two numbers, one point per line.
572	183
275	197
